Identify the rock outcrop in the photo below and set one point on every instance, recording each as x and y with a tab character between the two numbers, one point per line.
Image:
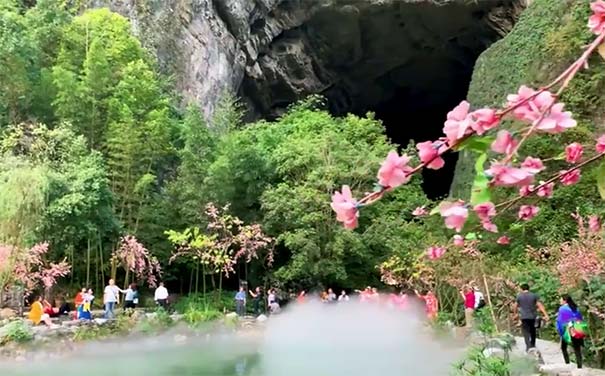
356	52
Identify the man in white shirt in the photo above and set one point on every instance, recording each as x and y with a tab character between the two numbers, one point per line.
161	296
110	298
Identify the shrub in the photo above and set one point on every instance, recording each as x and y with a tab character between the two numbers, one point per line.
195	315
16	331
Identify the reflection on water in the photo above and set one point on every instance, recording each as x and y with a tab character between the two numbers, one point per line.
310	340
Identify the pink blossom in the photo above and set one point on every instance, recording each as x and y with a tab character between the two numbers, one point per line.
488	225
533	165
435	252
570	177
526	190
429	152
596	22
573	152
394	171
420	211
458	241
522	111
527	212
546	190
541	107
484	120
504	143
507	176
345	207
503	240
594	223
557	120
133	256
458	123
600	144
485	210
455	214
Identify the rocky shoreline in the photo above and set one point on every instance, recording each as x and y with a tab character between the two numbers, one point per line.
61	340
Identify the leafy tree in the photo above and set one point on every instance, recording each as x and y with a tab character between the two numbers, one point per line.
96	48
75	207
139	115
17	57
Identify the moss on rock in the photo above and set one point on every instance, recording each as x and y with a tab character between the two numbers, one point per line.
548	37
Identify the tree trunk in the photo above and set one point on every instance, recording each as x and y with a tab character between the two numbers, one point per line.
88	262
204	280
220	286
197	278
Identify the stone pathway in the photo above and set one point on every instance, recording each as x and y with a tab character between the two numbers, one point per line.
552	358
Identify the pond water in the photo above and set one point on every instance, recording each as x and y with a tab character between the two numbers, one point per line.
309	340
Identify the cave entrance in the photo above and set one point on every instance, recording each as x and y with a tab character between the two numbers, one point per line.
409	62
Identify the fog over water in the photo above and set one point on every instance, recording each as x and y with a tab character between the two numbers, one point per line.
312	339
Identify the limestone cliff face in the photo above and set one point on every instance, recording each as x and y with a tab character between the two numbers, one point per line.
273	52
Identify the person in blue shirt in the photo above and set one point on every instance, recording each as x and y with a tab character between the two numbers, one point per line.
568	313
240	301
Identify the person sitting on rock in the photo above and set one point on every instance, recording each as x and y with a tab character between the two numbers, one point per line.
36	313
49	309
84	310
78	301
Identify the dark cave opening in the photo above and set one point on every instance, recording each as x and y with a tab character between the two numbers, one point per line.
408	62
412	115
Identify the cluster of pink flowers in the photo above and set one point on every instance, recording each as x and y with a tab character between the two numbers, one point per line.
535	111
133	256
579	259
28	268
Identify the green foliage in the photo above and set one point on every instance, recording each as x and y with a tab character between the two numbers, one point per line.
23	190
480	191
195	315
209	301
547	38
476	364
16	331
158	322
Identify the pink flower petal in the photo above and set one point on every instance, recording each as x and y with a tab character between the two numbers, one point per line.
527	212
394	171
455	214
503	240
573	152
600	147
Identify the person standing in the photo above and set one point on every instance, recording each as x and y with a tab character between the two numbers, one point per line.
85	310
110	298
331	297
343	297
468	295
240	301
161	296
256	299
130	297
570	327
479	299
431	303
527	305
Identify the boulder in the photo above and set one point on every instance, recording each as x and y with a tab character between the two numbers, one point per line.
7	313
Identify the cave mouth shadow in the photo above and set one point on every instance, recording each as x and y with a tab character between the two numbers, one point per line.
417	116
408	62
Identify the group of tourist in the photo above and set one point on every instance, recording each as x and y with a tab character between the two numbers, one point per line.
42	311
368	295
570	324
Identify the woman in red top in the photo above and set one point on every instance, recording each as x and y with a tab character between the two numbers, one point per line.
468	295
